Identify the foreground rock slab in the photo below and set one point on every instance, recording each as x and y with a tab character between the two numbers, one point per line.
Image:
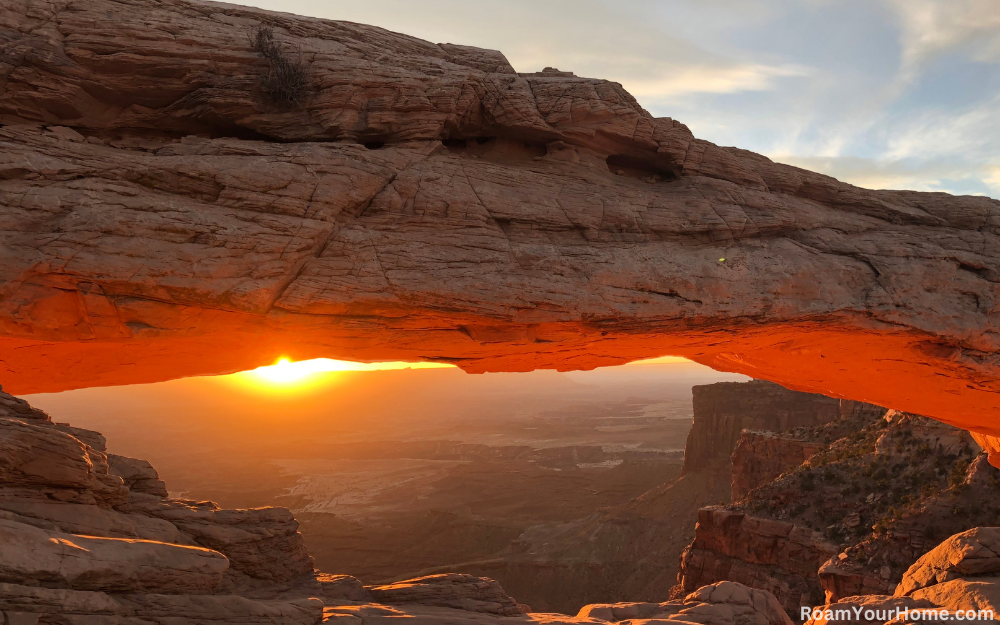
32	555
958	580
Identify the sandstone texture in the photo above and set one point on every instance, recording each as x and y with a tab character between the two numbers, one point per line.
34	556
971	553
77	541
161	216
450	590
855	610
960	575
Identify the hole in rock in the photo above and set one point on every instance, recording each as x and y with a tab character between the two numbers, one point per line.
374	145
398	471
641	169
982	272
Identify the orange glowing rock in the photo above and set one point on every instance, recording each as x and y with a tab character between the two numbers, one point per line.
426	202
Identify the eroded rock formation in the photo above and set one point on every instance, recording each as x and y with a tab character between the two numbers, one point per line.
426	201
960	575
878	489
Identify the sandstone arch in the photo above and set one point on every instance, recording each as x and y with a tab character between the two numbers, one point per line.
161	219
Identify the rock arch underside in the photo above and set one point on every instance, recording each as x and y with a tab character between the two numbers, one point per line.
163	216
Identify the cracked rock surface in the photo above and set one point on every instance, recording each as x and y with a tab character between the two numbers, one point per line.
161	217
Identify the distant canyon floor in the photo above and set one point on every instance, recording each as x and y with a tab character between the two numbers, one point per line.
394	474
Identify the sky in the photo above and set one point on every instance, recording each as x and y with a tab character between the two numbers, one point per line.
897	94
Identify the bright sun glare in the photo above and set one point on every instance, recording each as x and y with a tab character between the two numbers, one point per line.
288	375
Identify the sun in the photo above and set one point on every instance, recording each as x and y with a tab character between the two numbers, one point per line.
290	376
286	372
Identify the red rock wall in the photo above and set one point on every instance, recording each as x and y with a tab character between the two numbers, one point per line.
760	457
777	556
723	410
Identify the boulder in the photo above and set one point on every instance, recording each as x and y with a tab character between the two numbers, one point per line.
138	475
41	457
979	594
725	603
452	590
722	603
261	543
975	552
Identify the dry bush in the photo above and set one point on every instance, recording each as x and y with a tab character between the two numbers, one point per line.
284	81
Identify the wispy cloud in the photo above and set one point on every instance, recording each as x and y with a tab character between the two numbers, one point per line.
939	133
725	79
930	28
876	173
991	176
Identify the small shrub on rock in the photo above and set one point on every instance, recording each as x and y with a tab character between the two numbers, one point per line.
284	81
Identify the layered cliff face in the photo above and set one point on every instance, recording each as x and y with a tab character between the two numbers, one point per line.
91	533
164	215
631	551
760	457
778	556
874	494
723	410
91	537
